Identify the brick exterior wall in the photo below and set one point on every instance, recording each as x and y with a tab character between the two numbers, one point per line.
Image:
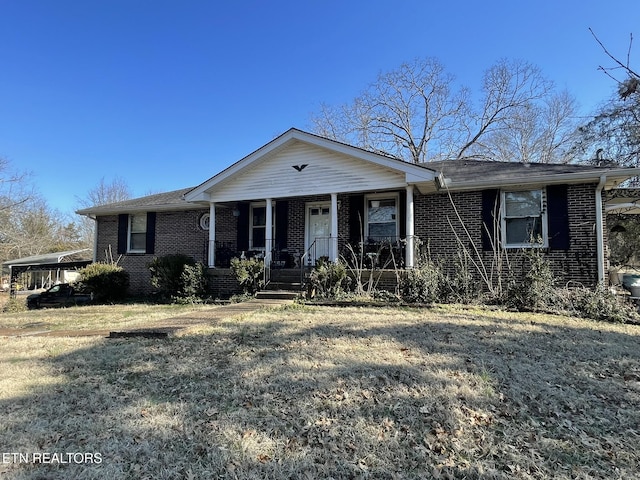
176	232
439	228
296	227
436	224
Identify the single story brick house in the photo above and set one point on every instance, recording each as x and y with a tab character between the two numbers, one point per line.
301	197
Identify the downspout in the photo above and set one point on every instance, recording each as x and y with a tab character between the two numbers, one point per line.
600	230
95	237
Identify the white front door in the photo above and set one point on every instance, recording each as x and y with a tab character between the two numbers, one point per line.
318	231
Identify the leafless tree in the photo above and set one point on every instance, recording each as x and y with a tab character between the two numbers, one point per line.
417	113
541	132
628	86
613	133
104	193
522	117
403	113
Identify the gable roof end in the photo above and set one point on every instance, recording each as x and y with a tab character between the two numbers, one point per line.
411	173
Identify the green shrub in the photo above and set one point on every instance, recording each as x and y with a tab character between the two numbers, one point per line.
249	274
195	281
108	282
166	274
179	278
536	290
598	304
423	283
329	279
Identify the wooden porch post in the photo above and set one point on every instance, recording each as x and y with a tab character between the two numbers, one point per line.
212	235
268	234
409	254
334	228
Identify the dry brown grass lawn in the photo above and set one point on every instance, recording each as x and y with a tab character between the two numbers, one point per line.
319	392
94	317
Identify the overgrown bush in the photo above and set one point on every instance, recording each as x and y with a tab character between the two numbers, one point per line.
329	279
597	304
460	286
536	289
107	282
15	305
179	278
423	283
195	281
166	273
249	274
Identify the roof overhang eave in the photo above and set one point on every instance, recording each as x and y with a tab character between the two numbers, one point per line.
613	177
98	212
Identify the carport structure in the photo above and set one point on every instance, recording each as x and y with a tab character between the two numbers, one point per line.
58	262
625	201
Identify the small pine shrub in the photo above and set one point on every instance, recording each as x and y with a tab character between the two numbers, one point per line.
329	279
249	274
106	281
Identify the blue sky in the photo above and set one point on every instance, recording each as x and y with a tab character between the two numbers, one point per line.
165	94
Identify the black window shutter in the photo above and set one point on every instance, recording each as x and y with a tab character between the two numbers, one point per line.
123	233
356	219
282	224
558	217
151	233
402	211
243	227
490	210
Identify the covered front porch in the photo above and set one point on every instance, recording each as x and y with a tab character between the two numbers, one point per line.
377	225
302	197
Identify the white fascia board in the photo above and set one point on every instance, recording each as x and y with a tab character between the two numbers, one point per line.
615	176
198	197
141	209
197	193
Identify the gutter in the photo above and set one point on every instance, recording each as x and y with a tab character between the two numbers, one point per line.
600	230
618	175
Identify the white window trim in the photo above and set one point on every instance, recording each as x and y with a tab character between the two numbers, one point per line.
381	196
130	232
543	219
273	219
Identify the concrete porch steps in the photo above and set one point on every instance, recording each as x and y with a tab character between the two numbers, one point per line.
284	284
277	294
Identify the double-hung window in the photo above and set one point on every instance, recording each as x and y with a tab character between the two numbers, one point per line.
137	233
258	227
524	218
381	218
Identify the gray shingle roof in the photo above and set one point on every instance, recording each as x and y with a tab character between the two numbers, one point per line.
173	200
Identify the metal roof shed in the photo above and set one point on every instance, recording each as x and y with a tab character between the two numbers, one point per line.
58	261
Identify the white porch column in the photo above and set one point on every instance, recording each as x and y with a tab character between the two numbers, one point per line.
333	248
268	234
212	235
410	230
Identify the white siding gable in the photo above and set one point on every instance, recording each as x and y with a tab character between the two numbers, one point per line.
326	171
